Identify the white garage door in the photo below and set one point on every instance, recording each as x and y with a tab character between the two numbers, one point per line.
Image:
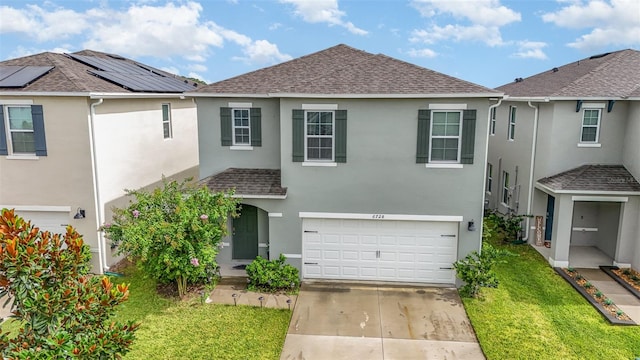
52	221
384	250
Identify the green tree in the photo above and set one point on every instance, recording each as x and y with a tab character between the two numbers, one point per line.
64	312
174	231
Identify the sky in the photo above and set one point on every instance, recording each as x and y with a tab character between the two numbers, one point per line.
488	42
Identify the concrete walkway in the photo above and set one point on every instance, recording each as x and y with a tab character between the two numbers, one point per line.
233	291
626	301
355	321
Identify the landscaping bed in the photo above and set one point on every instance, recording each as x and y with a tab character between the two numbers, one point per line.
595	297
628	278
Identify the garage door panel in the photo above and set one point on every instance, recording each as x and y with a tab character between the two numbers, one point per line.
411	251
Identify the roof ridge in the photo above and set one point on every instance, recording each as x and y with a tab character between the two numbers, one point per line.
593	71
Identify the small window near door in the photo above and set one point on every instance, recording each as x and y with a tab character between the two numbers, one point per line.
166	121
493	121
512	123
489	177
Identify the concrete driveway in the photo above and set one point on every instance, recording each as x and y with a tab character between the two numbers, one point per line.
354	321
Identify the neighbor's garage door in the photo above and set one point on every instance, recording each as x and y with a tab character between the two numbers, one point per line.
52	221
384	250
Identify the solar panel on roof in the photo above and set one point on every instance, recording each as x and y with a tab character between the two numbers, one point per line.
6	71
132	76
23	76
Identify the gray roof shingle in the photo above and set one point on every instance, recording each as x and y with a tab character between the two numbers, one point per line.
344	70
68	75
610	75
593	178
247	182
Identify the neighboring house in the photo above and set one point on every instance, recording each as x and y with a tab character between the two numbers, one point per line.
354	165
564	146
77	129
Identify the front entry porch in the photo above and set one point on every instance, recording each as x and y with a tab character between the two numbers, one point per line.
588	257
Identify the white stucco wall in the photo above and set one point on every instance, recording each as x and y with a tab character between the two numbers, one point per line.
631	160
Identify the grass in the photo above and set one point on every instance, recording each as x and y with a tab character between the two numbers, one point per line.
535	314
191	330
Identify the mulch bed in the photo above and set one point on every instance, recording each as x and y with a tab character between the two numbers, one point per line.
595	297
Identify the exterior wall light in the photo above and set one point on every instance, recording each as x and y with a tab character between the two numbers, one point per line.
79	214
471	226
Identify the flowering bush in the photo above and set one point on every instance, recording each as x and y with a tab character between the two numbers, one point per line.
63	311
173	231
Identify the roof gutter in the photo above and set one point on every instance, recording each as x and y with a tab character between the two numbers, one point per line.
96	188
44	93
98	95
347	96
565	98
531	169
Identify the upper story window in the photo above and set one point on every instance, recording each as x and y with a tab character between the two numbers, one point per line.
489	177
505	188
512	123
241	126
446	129
446	136
319	136
167	127
590	125
22	130
493	121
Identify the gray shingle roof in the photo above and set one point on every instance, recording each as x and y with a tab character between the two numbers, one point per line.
593	178
344	70
247	182
68	74
614	75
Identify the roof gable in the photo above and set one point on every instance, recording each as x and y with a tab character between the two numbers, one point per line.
343	70
610	75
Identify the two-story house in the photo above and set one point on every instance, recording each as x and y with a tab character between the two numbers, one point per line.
353	165
77	129
564	148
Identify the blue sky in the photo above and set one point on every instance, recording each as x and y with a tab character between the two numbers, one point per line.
489	42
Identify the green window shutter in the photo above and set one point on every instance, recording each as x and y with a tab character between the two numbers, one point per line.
226	133
38	130
341	136
424	128
3	134
468	136
298	135
256	127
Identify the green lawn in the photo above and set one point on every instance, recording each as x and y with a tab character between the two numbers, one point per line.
535	314
191	330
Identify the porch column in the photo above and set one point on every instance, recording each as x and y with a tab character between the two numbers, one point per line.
561	233
627	233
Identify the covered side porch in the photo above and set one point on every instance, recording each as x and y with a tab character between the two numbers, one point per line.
591	216
260	192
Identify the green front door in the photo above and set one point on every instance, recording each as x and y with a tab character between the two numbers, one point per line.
245	234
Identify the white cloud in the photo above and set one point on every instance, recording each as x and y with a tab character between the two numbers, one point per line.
40	24
275	26
530	50
422	53
323	11
612	22
480	21
197	67
171	69
262	52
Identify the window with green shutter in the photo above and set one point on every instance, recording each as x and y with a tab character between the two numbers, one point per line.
446	136
22	130
240	126
319	136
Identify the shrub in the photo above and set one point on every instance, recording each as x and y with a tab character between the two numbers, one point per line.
476	270
272	276
509	226
63	311
173	232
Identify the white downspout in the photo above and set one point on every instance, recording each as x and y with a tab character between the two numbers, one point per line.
533	158
486	157
96	189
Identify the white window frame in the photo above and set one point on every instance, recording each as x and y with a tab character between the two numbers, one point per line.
234	127
505	188
167	123
9	131
512	123
332	136
597	126
493	121
489	178
459	137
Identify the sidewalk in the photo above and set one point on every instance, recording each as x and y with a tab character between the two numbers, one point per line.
626	301
233	290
